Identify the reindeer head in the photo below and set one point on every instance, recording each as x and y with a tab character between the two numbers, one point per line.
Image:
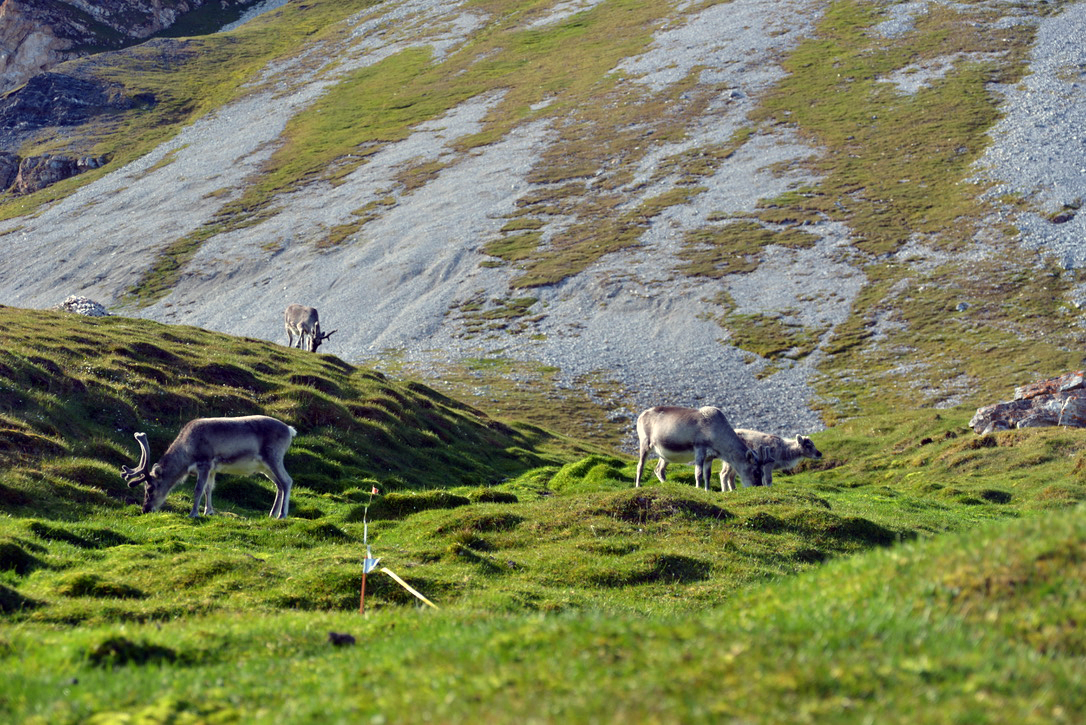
155	486
758	463
808	447
317	338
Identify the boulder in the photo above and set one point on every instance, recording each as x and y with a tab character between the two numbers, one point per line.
25	176
83	306
1053	402
38	172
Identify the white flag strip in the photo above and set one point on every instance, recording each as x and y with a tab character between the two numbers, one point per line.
407	586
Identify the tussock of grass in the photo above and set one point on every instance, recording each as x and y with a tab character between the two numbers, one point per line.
120	651
399	505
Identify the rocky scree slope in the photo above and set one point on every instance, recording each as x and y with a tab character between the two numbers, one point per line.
640	239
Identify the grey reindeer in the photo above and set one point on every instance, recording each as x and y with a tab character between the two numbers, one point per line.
305	323
206	446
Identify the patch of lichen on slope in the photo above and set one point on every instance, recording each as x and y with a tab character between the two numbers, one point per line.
893	167
892	163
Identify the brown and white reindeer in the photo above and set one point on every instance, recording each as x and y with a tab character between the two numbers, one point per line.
305	323
206	446
697	435
785	453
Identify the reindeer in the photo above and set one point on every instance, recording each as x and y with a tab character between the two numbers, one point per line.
786	454
682	435
246	445
303	322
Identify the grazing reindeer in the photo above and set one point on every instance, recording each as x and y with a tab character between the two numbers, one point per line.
786	454
251	444
303	322
682	435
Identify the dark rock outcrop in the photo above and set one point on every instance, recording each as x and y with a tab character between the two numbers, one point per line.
1053	402
36	35
9	169
50	100
38	172
56	99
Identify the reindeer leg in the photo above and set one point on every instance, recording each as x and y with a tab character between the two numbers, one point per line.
202	474
283	482
728	479
209	510
269	473
642	454
661	470
699	469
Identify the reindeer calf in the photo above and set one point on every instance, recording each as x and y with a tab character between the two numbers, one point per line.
785	454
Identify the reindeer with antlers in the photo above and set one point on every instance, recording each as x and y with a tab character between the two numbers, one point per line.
305	323
246	445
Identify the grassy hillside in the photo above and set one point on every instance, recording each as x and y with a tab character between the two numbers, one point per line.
917	572
74	389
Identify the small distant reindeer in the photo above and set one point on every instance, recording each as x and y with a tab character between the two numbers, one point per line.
246	445
696	435
303	322
785	453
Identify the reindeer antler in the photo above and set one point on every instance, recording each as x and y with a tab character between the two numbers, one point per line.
317	339
139	474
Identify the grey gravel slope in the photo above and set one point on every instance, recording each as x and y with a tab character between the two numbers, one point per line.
629	316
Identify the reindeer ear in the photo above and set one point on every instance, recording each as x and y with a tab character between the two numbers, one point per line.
767	454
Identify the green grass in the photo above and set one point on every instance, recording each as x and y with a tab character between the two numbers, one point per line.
894	162
916	572
538	394
719	250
